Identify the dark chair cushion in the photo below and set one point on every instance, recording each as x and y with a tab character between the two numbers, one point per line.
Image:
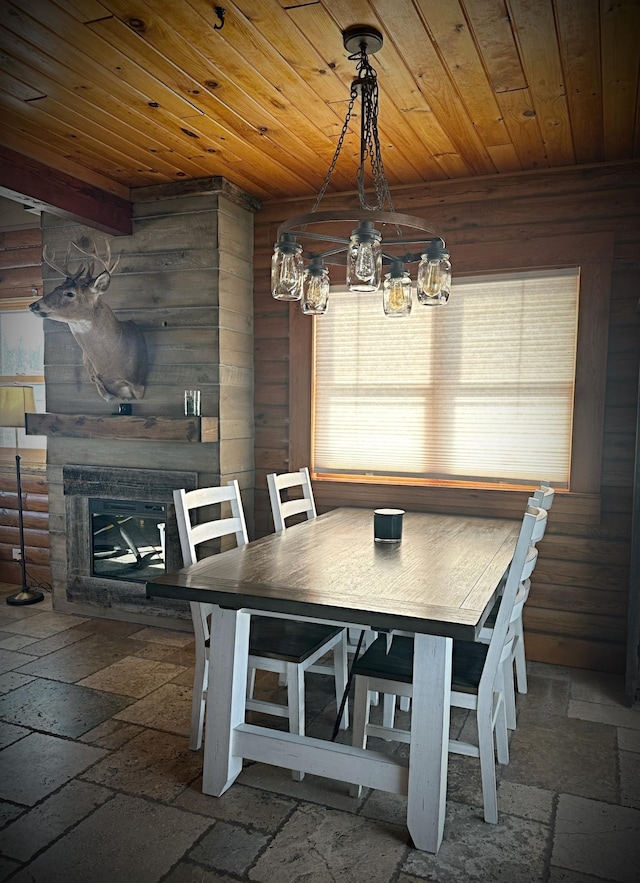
397	664
287	639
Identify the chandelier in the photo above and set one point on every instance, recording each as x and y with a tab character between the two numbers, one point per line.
382	239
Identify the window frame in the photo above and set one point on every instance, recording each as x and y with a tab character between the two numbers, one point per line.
593	253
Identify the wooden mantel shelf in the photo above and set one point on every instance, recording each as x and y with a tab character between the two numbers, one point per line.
122	426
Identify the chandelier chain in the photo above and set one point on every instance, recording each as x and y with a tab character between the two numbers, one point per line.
367	84
325	183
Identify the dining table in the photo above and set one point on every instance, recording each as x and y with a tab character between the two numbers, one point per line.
437	584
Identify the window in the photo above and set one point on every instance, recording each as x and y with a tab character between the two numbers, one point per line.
479	390
22	362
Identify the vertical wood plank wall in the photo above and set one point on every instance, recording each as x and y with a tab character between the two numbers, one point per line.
21	277
576	614
185	278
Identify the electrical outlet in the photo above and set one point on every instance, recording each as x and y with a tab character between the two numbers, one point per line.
16	554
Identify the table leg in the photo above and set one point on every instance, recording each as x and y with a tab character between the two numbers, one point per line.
428	759
226	698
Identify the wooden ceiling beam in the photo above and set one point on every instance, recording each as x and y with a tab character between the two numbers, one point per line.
35	184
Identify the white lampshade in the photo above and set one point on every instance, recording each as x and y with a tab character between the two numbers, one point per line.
15	401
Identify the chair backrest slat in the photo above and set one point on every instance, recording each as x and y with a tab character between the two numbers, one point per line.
283	509
193	534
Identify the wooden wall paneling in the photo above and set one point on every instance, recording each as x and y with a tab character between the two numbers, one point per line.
185	276
576	618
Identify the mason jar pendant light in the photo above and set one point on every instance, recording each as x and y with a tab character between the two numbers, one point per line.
382	238
434	277
287	268
396	291
315	288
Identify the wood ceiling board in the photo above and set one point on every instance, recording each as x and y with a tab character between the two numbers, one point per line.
523	126
80	149
225	121
462	64
620	25
39	150
16	87
266	79
493	34
109	114
77	113
84	10
396	81
439	91
330	78
315	23
61	36
535	30
93	79
536	56
579	29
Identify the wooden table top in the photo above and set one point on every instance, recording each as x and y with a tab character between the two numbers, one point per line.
441	579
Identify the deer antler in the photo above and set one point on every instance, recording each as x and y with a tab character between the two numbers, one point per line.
94	254
64	269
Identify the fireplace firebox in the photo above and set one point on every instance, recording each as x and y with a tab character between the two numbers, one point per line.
127	539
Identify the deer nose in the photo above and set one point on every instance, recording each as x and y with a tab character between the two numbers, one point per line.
35	306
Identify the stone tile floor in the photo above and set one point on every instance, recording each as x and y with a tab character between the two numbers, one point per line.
98	785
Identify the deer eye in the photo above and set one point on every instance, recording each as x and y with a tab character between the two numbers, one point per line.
69	294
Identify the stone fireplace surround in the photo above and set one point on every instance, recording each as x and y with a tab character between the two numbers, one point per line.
80	483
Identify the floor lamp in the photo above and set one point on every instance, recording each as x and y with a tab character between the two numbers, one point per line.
15	401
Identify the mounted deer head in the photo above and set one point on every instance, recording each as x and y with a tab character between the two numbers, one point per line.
114	352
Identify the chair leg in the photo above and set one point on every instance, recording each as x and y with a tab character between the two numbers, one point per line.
509	692
361	708
295	701
487	764
500	720
388	710
521	659
200	677
340	669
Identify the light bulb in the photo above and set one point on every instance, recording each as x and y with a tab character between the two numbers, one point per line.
434	280
365	262
396	291
364	259
287	269
315	292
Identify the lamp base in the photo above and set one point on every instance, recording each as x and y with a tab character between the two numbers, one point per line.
25	596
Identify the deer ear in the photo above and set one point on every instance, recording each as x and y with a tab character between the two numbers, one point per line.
101	283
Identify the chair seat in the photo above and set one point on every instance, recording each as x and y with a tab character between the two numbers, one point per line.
288	640
397	664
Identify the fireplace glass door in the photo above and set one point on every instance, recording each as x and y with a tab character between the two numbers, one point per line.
127	539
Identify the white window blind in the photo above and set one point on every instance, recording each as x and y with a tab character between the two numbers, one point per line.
478	390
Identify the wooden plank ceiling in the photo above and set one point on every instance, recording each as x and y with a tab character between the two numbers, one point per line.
126	93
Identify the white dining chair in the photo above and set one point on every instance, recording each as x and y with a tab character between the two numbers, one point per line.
477	678
280	645
284	506
516	667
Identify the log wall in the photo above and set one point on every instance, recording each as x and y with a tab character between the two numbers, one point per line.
21	279
576	614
